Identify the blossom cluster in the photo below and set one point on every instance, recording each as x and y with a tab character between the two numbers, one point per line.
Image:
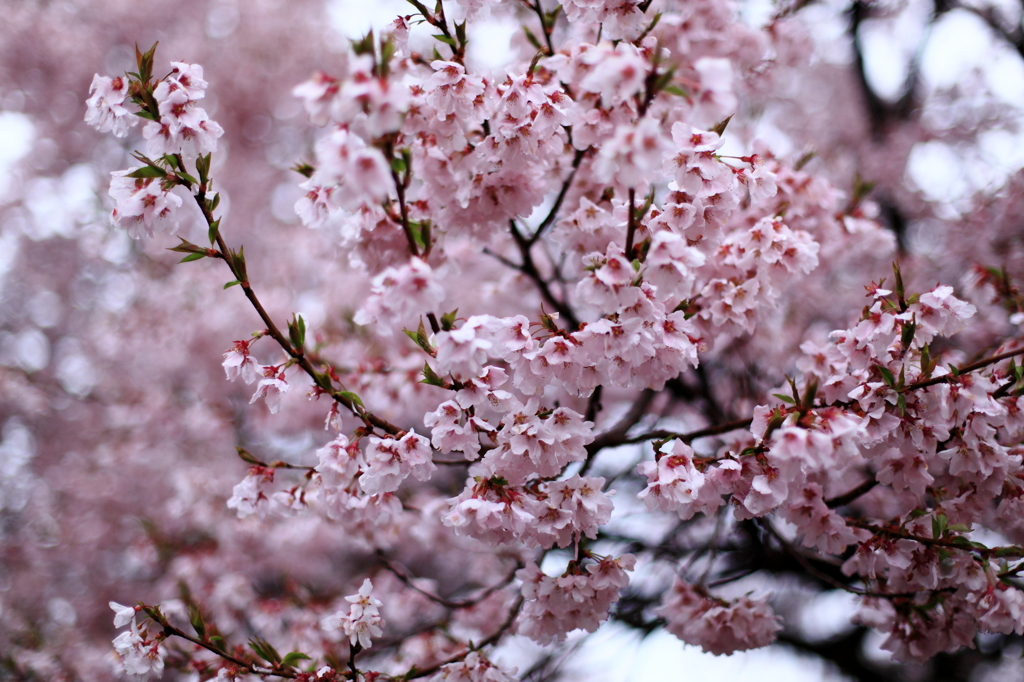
545	266
139	654
715	625
363	620
578	599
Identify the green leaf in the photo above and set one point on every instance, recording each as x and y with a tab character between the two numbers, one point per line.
147	172
297	332
238	258
447	40
423	238
939	522
532	39
953	370
142	113
294	657
398	165
650	27
203	167
172	161
247	456
304	169
186	247
676	90
907	335
191	257
810	391
448	320
145	62
351	397
887	376
430	376
364	45
264	650
231	284
214	229
861	188
185	176
720	128
804	160
460	33
926	362
662	81
900	291
417	233
788	399
420	338
196	618
387	51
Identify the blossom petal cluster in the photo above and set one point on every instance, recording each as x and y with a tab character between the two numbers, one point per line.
556	606
717	626
362	622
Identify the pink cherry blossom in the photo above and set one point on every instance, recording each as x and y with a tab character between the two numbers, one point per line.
105	110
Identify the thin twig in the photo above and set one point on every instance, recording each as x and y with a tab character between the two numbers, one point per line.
552	215
407	580
498	634
847	498
529	269
713	430
631	229
171	630
950	378
322	381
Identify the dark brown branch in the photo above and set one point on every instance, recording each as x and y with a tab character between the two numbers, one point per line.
400	573
497	635
273	672
847	498
617	434
805	562
545	29
631	229
951	378
552	215
529	268
400	186
713	430
1008	552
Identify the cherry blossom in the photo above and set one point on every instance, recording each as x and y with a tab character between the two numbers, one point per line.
105	110
143	205
596	300
718	626
363	621
557	606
